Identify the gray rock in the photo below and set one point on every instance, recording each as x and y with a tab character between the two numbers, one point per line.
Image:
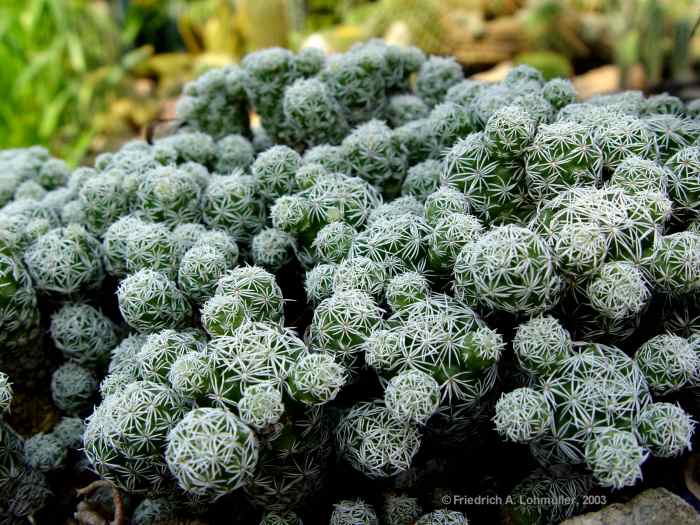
651	507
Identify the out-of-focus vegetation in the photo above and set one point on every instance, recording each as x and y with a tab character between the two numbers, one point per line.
82	75
61	61
78	74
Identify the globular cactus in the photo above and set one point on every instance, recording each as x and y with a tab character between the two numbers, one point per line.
509	131
415	140
272	248
548	496
509	268
231	203
53	173
524	77
233	152
673	263
123	356
268	73
665	429
313	114
154	510
152	246
623	136
422	179
374	442
402	109
342	322
627	222
406	289
223	314
372	154
541	345
69	432
577	403
187	234
406	205
169	195
126	434
114	243
160	350
448	122
83	334
44	452
348	512
189	375
663	104
412	396
494	187
637	175
211	452
221	241
103	200
418	337
255	353
318	283
400	62
360	273
19	316
619	291
261	406
615	457
289	213
356	81
337	197
329	157
668	363
72	388
397	243
400	509
448	236
561	155
333	242
444	201
65	261
464	92
316	378
30	190
149	302
11	454
672	133
435	76
215	102
559	92
200	269
522	415
273	171
257	289
190	146
683	185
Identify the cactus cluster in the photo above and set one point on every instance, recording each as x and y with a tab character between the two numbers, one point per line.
390	261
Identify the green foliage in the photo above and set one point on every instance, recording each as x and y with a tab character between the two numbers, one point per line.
60	60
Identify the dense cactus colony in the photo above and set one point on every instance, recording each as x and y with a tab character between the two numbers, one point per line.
395	257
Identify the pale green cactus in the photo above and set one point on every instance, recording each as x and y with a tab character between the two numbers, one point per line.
149	302
615	457
211	452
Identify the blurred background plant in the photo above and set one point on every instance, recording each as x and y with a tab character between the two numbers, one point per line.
81	76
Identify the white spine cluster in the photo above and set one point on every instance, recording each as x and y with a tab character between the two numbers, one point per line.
211	452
